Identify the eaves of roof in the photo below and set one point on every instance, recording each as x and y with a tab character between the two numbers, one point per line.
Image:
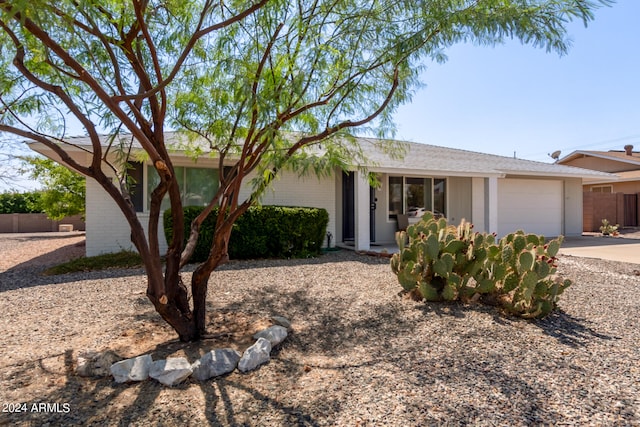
423	159
628	176
608	155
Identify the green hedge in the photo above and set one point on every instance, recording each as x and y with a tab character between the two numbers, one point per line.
261	232
20	202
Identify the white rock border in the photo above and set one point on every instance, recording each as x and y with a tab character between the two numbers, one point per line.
174	370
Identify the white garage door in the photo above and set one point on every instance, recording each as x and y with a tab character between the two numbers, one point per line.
534	206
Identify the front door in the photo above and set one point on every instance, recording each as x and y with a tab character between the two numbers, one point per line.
372	214
348	207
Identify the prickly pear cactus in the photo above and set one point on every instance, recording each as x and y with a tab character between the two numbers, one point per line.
529	288
434	260
440	262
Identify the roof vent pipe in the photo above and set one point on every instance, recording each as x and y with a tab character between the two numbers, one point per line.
628	149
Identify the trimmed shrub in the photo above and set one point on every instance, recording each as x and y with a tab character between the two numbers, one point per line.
443	262
261	232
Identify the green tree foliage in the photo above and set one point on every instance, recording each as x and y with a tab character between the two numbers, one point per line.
14	202
256	83
63	192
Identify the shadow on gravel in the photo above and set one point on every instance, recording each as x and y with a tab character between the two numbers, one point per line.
63	402
453	356
565	328
27	277
101	401
29	273
569	330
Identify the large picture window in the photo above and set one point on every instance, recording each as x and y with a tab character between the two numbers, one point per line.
197	185
414	196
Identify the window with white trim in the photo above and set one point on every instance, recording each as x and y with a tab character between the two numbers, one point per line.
602	189
416	195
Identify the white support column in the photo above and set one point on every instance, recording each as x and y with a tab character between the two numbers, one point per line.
491	205
478	204
363	209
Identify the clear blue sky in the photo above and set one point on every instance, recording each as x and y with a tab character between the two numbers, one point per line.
518	98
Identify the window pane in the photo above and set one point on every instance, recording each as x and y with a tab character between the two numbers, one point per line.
200	186
419	198
153	180
135	180
395	196
439	198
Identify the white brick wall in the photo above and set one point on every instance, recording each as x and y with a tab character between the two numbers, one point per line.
313	192
108	231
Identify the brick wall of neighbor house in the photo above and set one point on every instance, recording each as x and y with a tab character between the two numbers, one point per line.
599	206
36	223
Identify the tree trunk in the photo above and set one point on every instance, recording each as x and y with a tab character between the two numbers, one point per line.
199	286
183	325
173	305
200	279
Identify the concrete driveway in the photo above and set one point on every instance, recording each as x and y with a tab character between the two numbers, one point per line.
623	249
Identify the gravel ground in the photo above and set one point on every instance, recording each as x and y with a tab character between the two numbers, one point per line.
359	353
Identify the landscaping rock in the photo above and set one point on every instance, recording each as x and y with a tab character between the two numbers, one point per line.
275	334
171	371
255	355
96	364
215	363
282	321
136	369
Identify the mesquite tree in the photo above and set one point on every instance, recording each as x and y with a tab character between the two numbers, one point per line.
255	83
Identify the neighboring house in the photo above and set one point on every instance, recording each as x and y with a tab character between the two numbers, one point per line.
616	201
495	193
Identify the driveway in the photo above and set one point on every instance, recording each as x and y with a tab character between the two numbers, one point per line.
623	249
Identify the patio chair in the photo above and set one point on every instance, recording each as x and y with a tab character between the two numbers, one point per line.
403	222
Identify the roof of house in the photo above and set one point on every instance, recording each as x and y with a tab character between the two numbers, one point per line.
425	159
619	156
452	161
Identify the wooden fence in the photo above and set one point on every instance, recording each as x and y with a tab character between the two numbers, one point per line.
36	223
